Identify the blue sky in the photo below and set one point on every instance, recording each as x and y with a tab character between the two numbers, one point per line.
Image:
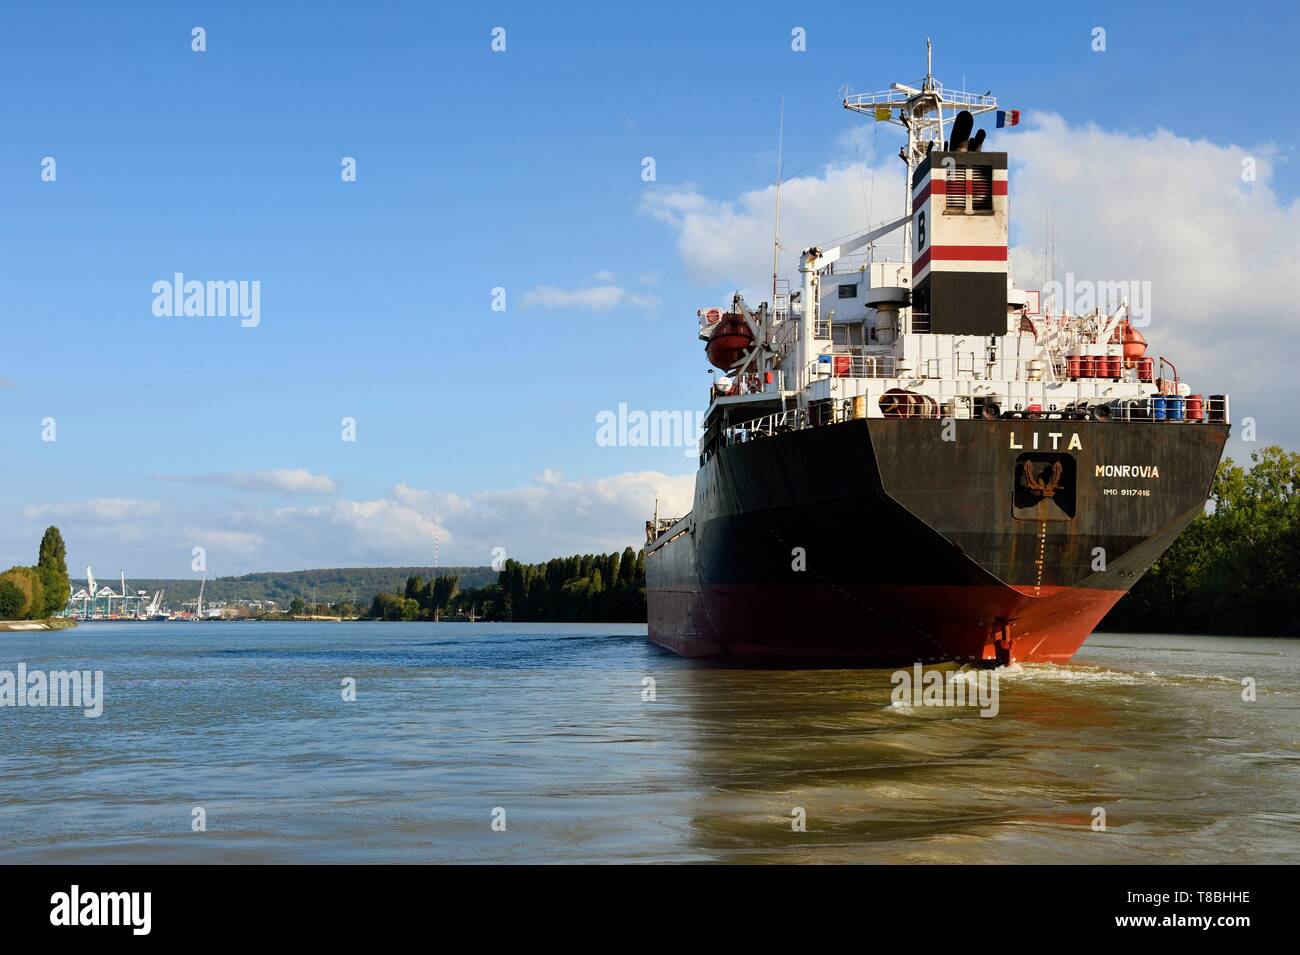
475	170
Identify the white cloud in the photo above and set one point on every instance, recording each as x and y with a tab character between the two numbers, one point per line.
100	510
1162	208
729	242
549	516
596	298
1220	253
288	480
226	542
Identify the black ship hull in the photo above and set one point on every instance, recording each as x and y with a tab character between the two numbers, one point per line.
883	541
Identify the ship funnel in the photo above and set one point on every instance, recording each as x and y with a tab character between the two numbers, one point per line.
959	240
961	128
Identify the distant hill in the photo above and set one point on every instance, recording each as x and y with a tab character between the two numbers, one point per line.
357	584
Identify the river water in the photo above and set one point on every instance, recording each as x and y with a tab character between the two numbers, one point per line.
547	730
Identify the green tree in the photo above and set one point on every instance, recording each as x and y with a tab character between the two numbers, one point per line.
444	589
581	587
52	565
1236	568
627	567
11	600
298	607
28	582
388	607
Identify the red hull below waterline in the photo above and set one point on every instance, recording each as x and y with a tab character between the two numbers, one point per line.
887	625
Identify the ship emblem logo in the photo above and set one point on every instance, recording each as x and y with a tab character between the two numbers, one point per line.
1037	485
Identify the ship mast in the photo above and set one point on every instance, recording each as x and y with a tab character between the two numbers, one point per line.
923	111
776	223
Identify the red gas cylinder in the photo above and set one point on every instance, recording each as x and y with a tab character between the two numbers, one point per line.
1195	407
1146	368
1113	365
1085	366
1072	364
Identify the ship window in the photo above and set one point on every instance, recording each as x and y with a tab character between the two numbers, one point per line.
849	291
1045	487
956	190
981	189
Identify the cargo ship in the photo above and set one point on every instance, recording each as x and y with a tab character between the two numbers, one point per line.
909	458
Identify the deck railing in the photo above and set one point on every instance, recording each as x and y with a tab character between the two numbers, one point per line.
1160	409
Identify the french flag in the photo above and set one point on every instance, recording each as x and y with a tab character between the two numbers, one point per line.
1008	117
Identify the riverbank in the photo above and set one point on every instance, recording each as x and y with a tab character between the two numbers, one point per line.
22	626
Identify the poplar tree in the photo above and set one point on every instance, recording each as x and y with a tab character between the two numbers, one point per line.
52	565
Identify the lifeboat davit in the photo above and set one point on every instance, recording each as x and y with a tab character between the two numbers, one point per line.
730	342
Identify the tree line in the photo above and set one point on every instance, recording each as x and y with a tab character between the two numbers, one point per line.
605	588
421	600
321	590
1236	568
39	591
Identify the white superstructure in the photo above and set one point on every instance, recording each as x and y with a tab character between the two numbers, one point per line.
938	328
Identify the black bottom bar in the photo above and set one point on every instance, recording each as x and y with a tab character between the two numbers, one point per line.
212	904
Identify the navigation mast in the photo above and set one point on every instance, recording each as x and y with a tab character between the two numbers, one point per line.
776	223
923	111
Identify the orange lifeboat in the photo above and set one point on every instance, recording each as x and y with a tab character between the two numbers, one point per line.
730	341
1135	345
